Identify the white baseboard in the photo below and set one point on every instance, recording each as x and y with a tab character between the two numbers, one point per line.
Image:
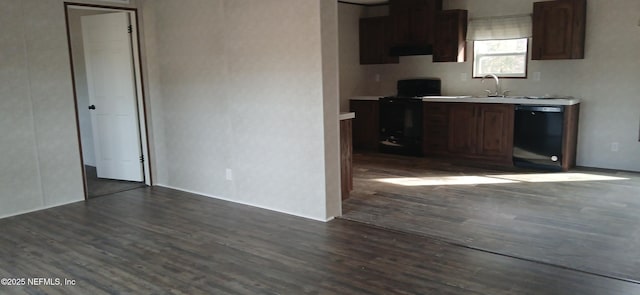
244	203
38	209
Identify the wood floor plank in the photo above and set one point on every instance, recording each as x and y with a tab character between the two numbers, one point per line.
588	225
162	241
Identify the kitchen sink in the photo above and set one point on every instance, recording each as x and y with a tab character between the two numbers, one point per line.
503	97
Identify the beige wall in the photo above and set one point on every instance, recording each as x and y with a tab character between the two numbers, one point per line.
246	85
331	106
40	163
240	85
352	82
606	80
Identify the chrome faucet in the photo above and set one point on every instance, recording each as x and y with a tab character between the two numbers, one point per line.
498	92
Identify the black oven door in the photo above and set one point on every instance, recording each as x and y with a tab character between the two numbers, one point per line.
401	126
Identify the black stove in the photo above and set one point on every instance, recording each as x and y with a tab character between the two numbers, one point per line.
401	116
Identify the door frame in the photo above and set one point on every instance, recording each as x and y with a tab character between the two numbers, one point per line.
139	82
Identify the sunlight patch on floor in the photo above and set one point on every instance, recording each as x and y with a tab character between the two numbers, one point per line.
444	180
556	177
495	179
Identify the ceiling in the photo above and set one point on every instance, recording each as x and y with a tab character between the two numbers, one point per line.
365	2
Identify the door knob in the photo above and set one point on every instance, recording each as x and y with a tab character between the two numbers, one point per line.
92	107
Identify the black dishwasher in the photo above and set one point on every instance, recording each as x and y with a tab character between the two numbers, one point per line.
537	141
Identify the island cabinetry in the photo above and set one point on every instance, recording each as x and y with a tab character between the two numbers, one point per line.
346	157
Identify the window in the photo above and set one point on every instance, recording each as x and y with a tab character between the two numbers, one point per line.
500	45
505	58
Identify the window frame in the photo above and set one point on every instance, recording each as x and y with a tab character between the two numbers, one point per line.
501	76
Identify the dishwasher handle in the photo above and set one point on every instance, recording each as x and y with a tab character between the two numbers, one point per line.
537	108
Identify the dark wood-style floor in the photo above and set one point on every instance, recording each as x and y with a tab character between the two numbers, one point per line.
97	187
593	226
162	241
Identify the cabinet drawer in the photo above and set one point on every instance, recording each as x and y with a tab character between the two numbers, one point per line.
435	119
435	108
437	133
435	147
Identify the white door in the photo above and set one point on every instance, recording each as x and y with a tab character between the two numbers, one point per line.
111	84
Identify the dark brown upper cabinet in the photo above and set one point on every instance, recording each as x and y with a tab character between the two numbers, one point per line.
559	29
413	24
375	37
450	36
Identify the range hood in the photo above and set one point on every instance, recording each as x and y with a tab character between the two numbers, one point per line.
411	50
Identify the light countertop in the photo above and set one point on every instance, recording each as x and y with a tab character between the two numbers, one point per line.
347	115
508	100
367	97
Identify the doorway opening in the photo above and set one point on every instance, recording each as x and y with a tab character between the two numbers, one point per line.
109	98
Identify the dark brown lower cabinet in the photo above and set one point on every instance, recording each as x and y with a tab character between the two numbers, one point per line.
365	125
462	130
469	130
346	157
435	120
482	131
495	131
570	136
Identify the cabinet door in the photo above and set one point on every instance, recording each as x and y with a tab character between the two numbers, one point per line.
375	41
400	11
346	157
462	128
365	125
450	36
413	21
495	130
435	120
558	29
423	21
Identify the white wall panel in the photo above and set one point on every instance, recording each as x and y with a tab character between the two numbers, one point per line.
331	106
241	87
20	187
53	104
40	163
352	79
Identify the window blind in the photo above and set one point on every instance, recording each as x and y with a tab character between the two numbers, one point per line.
499	27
